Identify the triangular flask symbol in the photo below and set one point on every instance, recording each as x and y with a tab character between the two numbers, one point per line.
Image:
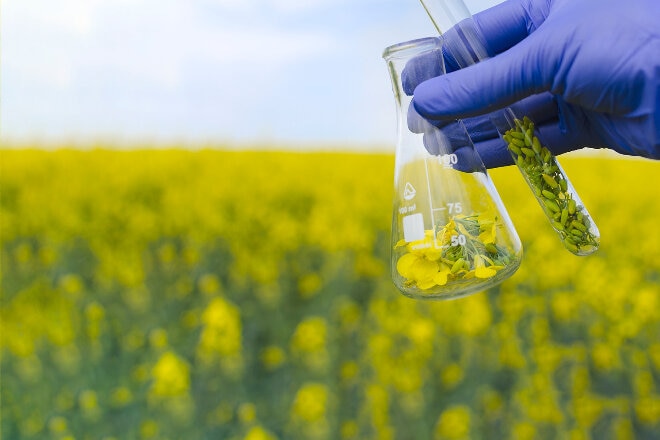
409	191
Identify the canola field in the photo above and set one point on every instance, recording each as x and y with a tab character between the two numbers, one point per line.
175	294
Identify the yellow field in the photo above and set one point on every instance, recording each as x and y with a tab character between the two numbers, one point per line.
246	295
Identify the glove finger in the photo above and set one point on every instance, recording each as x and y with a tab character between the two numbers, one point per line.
478	126
525	69
420	69
447	139
438	140
491	32
508	23
540	108
418	124
467	160
493	153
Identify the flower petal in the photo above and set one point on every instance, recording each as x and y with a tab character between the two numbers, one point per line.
484	272
405	265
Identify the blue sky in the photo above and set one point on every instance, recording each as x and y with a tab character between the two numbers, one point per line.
279	72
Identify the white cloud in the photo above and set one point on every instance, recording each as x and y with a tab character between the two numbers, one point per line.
281	6
153	40
299	6
220	68
142	66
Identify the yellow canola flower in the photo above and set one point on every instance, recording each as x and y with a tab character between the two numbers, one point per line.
259	433
310	403
454	423
425	273
423	268
171	376
221	333
481	271
488	234
405	265
441	277
463	249
445	233
426	247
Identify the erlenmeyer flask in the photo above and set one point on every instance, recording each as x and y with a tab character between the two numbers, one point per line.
451	235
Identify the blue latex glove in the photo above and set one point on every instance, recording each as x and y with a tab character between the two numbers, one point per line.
586	71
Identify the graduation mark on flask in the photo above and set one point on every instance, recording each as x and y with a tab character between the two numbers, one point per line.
448	160
455	208
458	240
407	209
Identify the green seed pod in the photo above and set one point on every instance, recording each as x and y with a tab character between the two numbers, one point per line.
579	226
527	152
577	232
550	181
563	184
556	216
536	145
571	206
458	265
513	147
516	135
529	135
520	161
519	123
571	247
547	156
537	191
490	247
558	226
518	142
526	121
580	215
551	205
571	239
564	216
548	194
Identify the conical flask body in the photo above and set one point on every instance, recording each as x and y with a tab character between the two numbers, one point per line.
451	235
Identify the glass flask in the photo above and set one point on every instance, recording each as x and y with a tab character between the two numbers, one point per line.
451	235
539	167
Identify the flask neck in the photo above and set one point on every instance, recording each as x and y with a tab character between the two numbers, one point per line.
409	64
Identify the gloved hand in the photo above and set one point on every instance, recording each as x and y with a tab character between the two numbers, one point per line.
586	71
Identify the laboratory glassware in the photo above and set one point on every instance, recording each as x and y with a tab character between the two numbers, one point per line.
451	235
544	175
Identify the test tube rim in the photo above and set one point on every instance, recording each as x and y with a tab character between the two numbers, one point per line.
403	49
